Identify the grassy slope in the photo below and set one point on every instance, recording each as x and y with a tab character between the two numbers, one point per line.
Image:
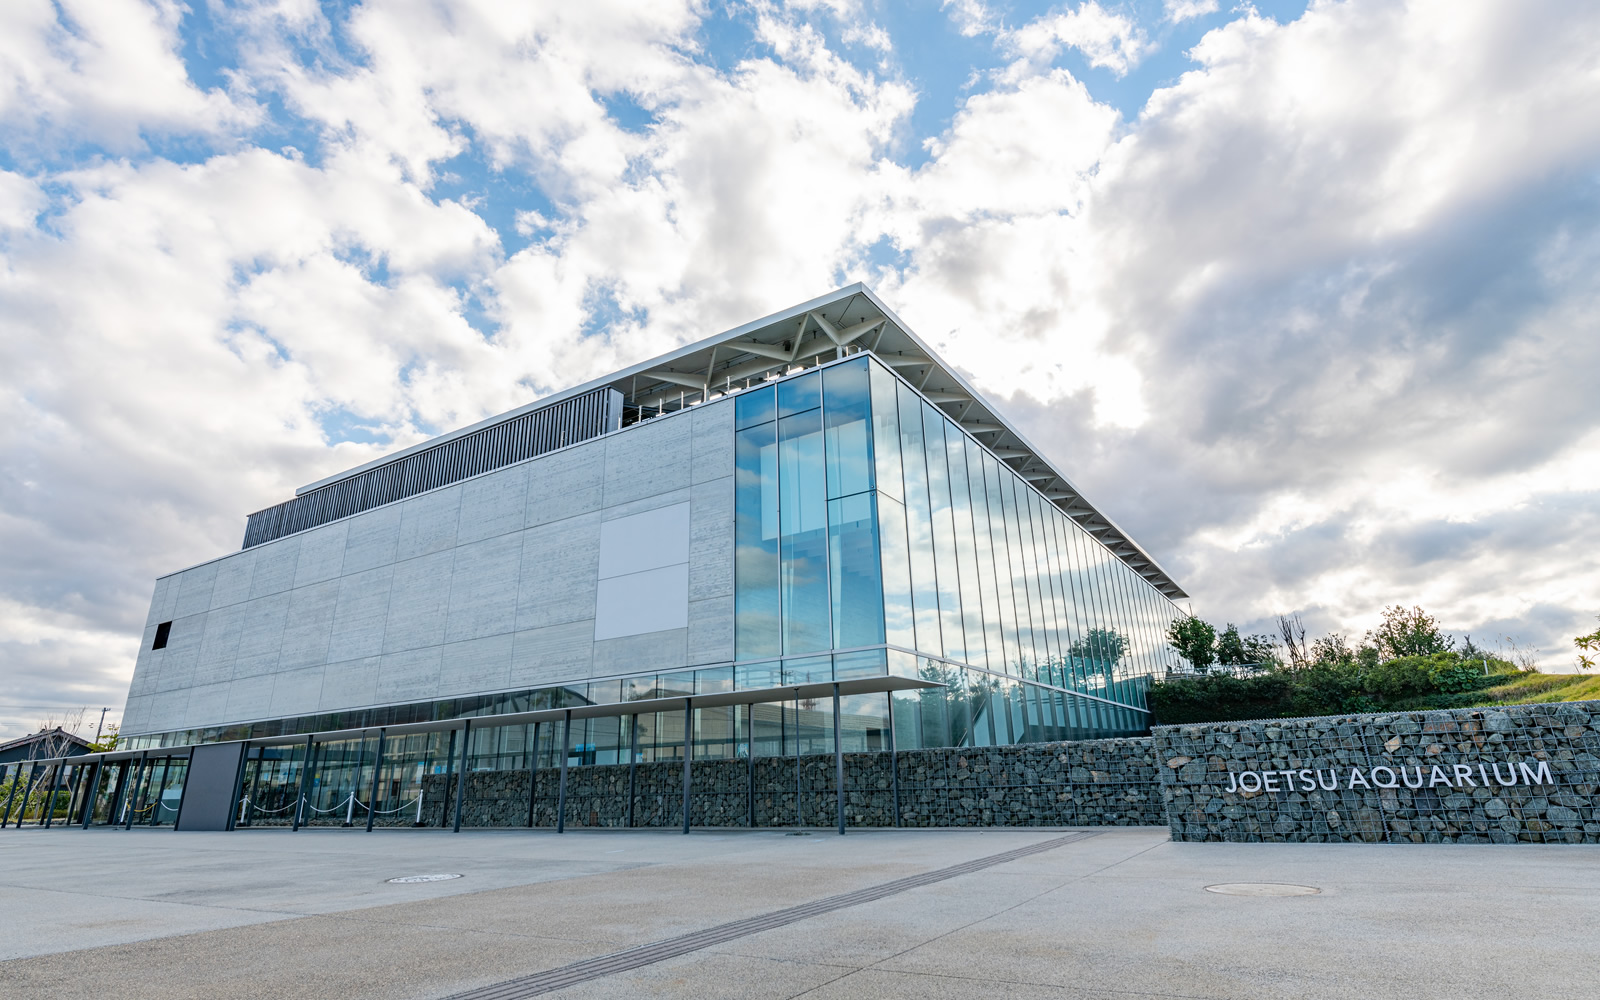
1528	689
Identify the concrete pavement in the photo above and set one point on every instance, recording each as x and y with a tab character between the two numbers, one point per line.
1123	914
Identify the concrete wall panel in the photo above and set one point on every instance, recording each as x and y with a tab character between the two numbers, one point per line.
409	675
194	590
373	540
551	654
493	504
261	635
308	625
651	458
349	684
419	601
233	579
321	553
476	665
557	577
483	588
361	615
428	523
276	563
712	426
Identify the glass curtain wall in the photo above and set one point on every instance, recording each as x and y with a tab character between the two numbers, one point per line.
865	515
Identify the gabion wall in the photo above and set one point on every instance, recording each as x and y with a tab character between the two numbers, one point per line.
1523	773
1082	783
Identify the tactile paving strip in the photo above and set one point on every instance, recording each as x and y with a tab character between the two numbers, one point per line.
659	951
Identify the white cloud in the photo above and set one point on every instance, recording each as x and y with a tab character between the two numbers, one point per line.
1315	325
1178	11
105	72
1106	39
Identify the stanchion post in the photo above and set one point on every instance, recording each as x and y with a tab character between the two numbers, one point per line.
377	768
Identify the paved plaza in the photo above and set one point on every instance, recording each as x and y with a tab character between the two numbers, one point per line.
1114	913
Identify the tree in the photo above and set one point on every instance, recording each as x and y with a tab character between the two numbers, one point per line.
1409	632
1293	631
1588	644
1230	646
108	740
1194	640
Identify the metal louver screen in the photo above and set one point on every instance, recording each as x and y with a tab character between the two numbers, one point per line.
545	429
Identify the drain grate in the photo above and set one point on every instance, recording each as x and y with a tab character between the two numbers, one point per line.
605	965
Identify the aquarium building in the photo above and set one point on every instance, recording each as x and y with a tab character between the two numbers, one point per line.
811	498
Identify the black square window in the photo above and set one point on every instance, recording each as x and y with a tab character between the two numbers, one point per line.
162	631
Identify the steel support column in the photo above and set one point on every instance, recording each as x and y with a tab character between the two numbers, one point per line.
27	790
838	759
633	765
894	760
55	788
461	772
94	793
561	788
688	755
799	810
377	768
305	783
138	788
16	779
234	814
750	764
533	775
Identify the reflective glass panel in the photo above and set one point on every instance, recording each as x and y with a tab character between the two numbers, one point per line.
796	395
966	550
886	431
751	407
803	521
919	524
847	415
944	535
897	616
756	600
856	590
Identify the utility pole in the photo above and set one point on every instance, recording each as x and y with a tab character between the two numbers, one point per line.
98	729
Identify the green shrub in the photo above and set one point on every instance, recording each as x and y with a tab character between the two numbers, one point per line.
1345	686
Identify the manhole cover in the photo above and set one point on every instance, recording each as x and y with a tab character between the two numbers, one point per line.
440	877
1263	889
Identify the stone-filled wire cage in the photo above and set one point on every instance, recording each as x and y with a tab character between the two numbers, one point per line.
1522	773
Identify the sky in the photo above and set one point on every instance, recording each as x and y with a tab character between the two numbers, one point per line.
1303	295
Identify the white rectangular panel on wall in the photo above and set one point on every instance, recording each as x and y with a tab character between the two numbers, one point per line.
644	573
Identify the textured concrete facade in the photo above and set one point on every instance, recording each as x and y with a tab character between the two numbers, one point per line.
486	585
1517	774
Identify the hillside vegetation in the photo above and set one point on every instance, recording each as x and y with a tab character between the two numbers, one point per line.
1406	665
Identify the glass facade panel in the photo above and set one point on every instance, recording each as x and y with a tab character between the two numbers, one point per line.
803	527
856	589
756	606
847	416
944	535
919	523
984	549
966	547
